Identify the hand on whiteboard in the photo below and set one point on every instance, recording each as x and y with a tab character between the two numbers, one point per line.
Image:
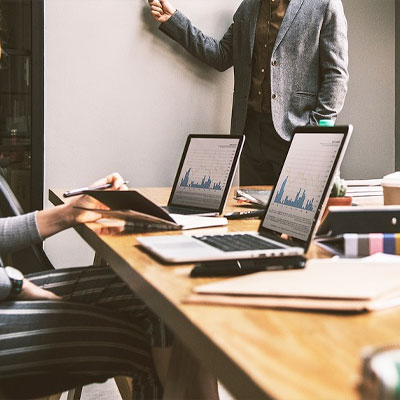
161	10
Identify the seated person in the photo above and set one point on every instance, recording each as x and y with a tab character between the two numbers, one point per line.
70	327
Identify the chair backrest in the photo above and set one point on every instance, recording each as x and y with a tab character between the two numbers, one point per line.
32	259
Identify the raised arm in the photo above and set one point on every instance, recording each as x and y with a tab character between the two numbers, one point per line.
216	53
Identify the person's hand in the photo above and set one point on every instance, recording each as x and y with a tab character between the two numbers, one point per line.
85	201
32	292
161	10
64	216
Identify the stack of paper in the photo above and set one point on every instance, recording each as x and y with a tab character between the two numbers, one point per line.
364	188
342	285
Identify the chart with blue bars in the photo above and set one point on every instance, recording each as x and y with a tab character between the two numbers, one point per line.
301	184
205	172
298	202
206	183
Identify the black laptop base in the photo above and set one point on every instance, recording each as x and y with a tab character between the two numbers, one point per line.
246	266
188	211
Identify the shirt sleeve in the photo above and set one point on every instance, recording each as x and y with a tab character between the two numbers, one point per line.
19	232
5	284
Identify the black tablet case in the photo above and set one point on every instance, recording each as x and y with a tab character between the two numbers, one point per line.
358	220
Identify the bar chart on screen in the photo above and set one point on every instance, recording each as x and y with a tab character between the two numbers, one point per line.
204	184
206	169
302	183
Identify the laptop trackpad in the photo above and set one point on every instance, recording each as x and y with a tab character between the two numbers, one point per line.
182	245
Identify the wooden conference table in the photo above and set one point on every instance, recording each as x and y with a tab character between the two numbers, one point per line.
255	353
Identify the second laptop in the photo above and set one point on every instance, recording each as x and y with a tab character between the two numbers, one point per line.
205	174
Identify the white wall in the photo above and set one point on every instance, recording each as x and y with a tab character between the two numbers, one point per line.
122	96
370	103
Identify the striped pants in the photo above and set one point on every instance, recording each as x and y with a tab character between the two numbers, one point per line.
99	330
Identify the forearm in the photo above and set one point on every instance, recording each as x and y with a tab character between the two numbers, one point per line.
216	53
330	101
54	220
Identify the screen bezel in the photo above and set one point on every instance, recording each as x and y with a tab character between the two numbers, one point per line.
221	206
346	130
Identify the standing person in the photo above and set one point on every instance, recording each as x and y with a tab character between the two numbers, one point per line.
290	61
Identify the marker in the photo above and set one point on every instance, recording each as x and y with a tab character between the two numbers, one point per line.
77	192
245	214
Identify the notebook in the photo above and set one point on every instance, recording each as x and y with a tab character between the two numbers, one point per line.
293	210
205	174
143	215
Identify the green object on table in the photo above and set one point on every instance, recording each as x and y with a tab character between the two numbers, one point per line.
397	388
326	122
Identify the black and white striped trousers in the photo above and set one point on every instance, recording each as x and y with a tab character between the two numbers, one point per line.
99	330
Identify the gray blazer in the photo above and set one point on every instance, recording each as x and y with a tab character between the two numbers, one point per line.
308	65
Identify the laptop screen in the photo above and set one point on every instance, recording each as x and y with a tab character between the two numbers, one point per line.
206	171
304	182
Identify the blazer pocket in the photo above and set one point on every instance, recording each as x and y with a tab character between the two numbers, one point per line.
305	101
306	94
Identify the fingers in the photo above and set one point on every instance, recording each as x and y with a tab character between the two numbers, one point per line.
156	10
156	5
161	10
167	7
117	181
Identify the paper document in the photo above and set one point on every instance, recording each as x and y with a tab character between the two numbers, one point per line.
334	285
363	182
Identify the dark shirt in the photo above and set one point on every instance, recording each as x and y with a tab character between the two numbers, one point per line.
269	21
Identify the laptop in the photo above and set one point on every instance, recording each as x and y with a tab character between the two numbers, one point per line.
205	174
292	212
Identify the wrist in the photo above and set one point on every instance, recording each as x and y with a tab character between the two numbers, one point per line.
54	220
70	215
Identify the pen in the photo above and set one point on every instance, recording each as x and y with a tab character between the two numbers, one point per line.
244	214
77	192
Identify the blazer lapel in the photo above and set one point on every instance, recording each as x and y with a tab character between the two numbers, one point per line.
253	22
291	12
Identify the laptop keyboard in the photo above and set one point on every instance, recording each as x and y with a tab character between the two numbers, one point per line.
239	242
